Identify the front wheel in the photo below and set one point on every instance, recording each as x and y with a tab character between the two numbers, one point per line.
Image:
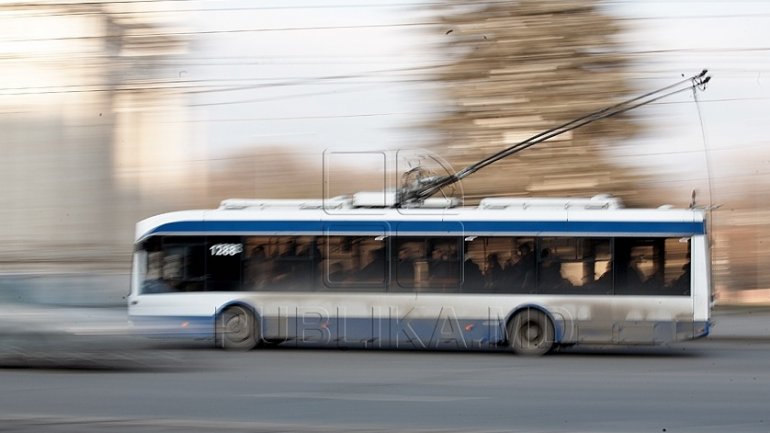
237	329
530	333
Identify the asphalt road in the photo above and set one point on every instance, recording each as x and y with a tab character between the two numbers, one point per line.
720	385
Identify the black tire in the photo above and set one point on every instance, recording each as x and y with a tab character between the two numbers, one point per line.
530	333
237	329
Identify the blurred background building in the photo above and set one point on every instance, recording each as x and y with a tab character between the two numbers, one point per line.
86	146
112	111
87	137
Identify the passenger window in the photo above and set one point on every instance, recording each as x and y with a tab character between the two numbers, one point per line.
411	266
282	263
174	264
575	266
652	266
552	254
356	263
505	264
429	264
677	267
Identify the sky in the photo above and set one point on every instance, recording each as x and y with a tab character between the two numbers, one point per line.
315	75
323	76
732	40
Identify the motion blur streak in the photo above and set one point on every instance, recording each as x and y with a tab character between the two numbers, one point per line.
111	111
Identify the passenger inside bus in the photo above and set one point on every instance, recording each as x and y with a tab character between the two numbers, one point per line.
374	271
257	268
551	279
283	264
493	275
337	273
166	276
629	279
473	279
603	284
681	285
405	268
521	274
442	264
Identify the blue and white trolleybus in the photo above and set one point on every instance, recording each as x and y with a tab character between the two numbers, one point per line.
527	273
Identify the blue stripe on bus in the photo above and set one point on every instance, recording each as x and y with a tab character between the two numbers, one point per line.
464	227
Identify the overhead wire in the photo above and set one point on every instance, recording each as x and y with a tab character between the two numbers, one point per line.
431	187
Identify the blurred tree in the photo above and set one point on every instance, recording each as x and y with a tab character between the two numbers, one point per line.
523	67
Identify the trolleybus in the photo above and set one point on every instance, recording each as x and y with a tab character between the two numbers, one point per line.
350	272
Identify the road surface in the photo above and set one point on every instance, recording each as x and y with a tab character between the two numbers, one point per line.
106	382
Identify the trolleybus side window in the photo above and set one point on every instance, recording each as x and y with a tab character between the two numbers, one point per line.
428	264
356	263
257	263
507	265
411	265
651	266
574	266
472	275
550	265
676	273
281	263
174	264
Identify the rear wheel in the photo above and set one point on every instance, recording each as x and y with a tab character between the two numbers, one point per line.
530	333
237	329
